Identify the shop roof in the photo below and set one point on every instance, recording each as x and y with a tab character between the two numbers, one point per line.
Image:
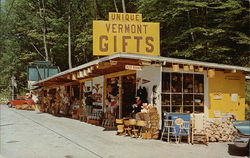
127	58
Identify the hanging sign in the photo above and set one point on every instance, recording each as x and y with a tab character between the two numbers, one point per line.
133	67
126	33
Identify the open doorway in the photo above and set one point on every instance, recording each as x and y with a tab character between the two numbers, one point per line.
128	94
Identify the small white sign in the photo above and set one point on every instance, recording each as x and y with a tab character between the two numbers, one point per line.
217	96
234	97
133	67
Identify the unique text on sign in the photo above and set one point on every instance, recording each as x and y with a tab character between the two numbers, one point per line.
125	34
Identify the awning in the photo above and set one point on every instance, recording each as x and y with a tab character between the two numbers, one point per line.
117	62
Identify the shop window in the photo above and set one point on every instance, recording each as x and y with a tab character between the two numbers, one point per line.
182	92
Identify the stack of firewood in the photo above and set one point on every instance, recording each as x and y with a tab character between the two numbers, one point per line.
25	107
220	129
154	122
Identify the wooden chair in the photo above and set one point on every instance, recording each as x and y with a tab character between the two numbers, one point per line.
170	129
184	130
198	129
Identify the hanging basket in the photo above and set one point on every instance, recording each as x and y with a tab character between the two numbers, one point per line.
176	67
211	73
191	67
185	68
200	69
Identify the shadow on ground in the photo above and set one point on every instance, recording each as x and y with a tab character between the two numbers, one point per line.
235	151
109	129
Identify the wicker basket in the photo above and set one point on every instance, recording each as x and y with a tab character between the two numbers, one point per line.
141	123
132	121
119	121
120	128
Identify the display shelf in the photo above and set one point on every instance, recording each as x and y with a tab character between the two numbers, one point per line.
165	105
182	92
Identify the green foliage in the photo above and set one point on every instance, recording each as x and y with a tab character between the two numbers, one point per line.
206	30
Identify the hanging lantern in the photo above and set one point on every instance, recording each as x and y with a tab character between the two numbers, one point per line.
191	67
78	74
69	77
200	69
185	68
81	74
233	71
92	68
73	77
211	73
97	66
85	73
175	67
89	70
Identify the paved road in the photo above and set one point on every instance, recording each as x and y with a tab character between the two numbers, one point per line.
30	134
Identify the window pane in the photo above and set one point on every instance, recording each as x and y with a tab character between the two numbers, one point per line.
176	83
165	99
187	83
199	100
198	83
165	82
176	99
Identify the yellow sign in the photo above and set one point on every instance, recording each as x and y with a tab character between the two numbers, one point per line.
125	17
125	33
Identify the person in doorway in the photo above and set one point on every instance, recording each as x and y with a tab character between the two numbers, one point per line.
137	105
89	102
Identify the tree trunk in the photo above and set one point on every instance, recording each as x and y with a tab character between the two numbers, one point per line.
123	6
190	26
69	41
42	16
116	6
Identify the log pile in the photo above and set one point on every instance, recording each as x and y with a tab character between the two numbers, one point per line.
152	117
220	129
25	107
154	122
